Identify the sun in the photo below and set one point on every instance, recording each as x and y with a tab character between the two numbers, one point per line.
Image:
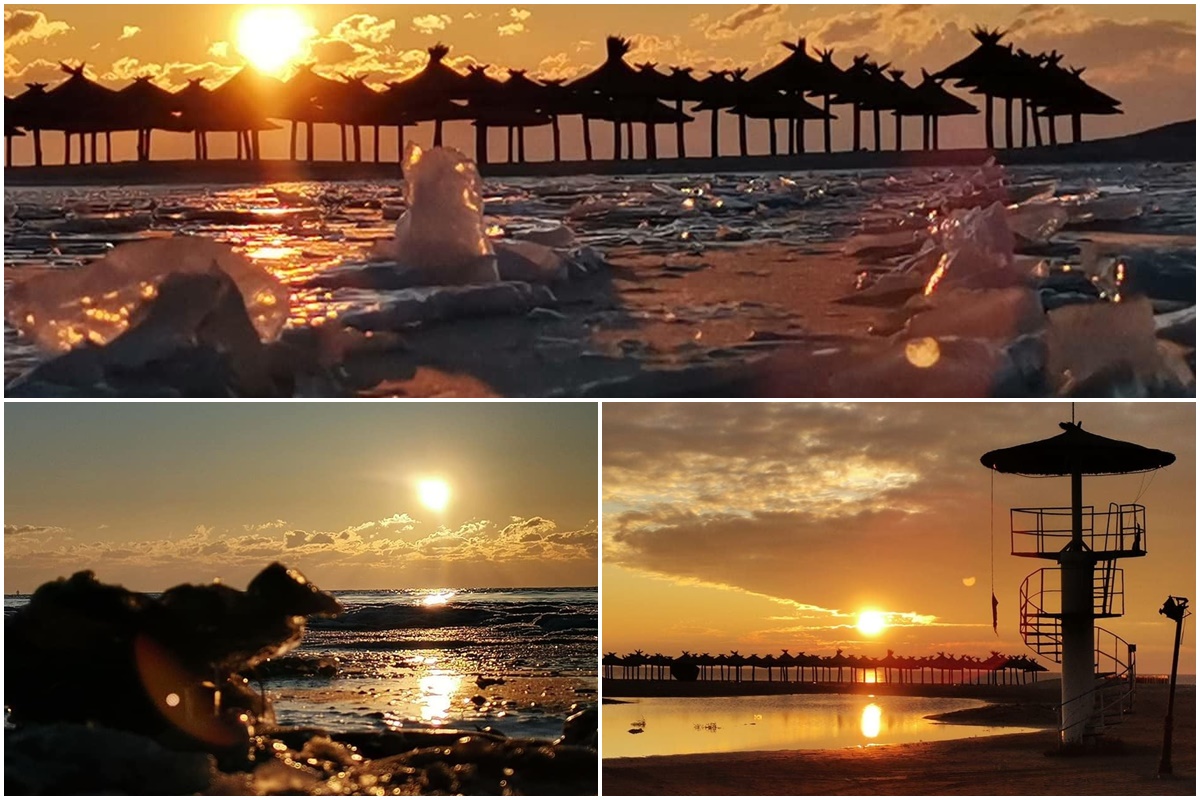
271	38
871	623
434	494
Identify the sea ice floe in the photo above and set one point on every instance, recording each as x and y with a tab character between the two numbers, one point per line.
63	309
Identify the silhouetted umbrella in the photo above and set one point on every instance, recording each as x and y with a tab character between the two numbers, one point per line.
935	102
30	111
81	106
426	95
242	104
798	74
1076	451
146	107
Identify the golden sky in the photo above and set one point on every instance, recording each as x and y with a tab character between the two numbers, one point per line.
762	526
1144	55
151	495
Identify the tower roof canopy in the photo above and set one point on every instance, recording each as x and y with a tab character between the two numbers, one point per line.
1076	450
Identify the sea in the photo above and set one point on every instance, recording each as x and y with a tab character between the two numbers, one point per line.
416	658
298	229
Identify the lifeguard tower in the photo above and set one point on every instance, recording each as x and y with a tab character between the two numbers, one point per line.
1059	605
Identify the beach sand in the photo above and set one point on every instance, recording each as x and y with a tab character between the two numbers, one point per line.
1015	764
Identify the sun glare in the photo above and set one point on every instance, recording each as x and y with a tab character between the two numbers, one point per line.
437	599
871	623
434	494
272	38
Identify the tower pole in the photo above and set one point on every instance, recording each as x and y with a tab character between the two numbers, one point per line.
1078	674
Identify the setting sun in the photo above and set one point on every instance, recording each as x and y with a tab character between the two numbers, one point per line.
871	623
271	38
434	494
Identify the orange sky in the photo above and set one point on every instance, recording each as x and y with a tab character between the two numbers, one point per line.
1142	54
155	494
762	526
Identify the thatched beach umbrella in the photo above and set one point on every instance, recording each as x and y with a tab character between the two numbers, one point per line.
427	94
146	107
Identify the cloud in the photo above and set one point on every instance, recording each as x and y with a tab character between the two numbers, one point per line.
518	17
33	530
741	22
128	32
397	548
776	498
265	526
430	23
366	28
21	27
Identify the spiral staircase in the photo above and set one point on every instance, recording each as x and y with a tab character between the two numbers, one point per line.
1042	533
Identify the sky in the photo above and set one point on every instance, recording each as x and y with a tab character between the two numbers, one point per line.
152	495
762	526
1144	55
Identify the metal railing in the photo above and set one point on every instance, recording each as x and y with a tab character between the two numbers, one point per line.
1044	532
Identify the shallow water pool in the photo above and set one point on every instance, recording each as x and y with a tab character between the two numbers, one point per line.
680	725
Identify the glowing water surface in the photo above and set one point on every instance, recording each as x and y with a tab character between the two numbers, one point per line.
679	725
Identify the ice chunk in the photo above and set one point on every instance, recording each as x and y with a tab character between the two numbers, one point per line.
528	261
442	234
443	304
975	242
1000	314
1111	348
95	304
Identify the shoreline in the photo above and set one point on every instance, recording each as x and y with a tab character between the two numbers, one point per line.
1046	690
1017	764
1175	142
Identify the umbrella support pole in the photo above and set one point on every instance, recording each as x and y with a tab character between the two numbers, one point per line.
899	132
375	148
37	146
714	134
587	138
773	140
557	134
828	127
988	120
857	127
616	141
308	141
878	133
292	142
521	145
800	136
357	143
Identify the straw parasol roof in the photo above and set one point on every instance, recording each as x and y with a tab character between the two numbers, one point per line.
1076	450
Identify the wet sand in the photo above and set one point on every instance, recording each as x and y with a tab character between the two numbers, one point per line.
1015	764
1174	142
404	701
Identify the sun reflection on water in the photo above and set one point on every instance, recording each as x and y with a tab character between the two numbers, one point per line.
872	717
437	696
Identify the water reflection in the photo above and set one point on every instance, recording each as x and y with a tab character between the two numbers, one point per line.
437	696
872	716
801	722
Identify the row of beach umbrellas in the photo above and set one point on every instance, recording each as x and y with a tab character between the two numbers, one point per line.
838	668
800	88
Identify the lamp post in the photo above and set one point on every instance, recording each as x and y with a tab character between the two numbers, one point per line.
1176	608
